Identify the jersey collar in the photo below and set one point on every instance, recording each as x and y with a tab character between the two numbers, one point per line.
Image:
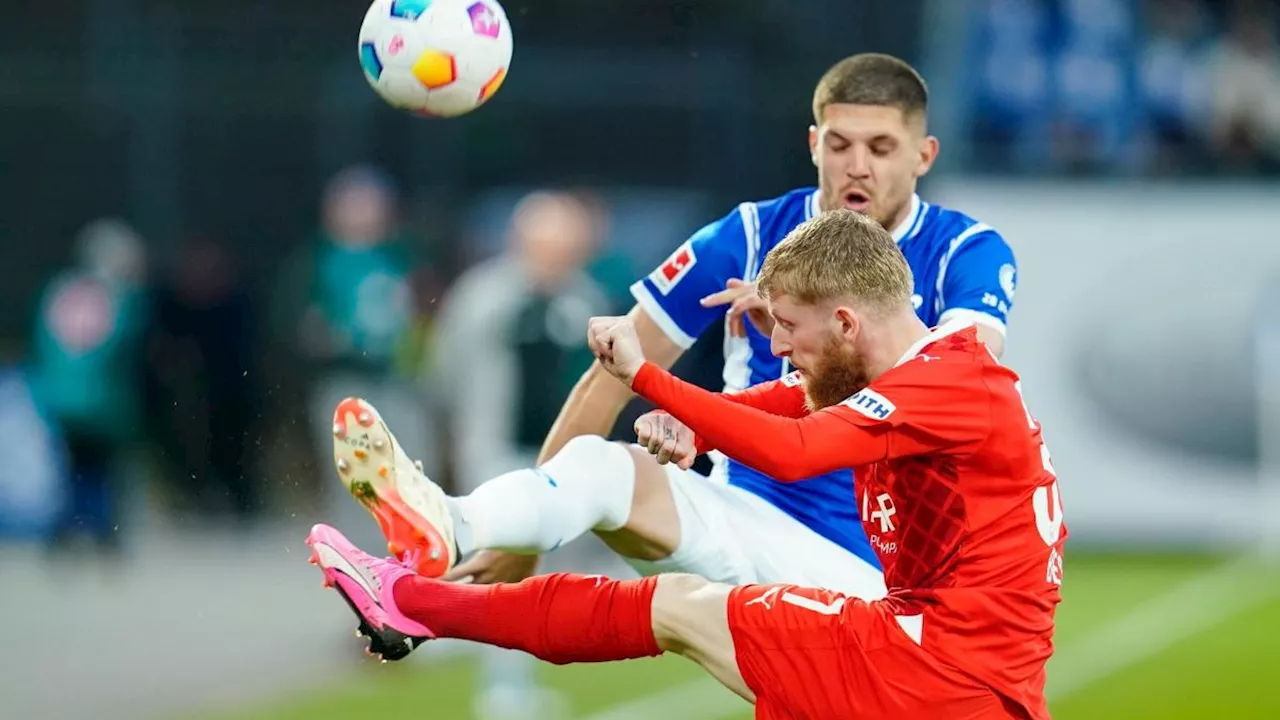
911	223
948	328
909	226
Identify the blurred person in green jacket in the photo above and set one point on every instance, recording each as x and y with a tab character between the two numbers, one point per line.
352	303
87	372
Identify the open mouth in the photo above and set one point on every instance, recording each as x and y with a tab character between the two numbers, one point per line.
857	200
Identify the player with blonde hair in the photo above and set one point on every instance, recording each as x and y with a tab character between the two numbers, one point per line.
870	144
957	494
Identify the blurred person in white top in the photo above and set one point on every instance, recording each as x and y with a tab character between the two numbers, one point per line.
509	348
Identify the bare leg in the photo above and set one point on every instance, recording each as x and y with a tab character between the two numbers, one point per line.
691	618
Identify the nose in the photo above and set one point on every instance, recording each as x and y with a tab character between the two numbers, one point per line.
778	344
859	161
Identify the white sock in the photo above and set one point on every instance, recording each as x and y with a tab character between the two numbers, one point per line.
587	486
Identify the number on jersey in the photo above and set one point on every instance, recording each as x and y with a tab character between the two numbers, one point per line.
1046	503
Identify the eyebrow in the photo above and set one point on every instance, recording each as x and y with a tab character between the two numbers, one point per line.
881	137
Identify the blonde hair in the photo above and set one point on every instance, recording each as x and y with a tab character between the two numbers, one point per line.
839	254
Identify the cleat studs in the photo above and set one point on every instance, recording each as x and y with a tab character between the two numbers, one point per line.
365	419
379	444
343	465
383	471
360	454
418	464
363	492
435	553
337	429
358	633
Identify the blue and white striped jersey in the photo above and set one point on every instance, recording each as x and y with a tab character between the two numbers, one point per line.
963	269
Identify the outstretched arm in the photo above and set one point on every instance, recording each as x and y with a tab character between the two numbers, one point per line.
746	426
783	397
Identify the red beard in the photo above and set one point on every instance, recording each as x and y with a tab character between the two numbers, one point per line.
836	376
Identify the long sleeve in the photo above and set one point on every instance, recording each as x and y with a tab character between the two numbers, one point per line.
914	409
783	397
742	427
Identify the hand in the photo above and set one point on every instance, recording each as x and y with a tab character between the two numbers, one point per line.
666	438
487	567
614	342
742	299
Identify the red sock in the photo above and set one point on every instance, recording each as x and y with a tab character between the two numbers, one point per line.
560	618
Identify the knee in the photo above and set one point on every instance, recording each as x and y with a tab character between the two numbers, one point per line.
685	608
592	452
601	462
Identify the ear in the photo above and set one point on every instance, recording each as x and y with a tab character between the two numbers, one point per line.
813	144
848	324
928	154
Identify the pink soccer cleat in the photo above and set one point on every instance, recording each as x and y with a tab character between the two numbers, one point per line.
365	582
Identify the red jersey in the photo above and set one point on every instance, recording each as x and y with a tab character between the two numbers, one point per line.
954	484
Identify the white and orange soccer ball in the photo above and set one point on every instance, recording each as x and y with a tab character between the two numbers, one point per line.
440	58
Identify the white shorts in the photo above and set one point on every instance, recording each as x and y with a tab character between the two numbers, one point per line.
730	535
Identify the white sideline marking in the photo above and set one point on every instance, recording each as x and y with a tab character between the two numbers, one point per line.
1197	605
704	699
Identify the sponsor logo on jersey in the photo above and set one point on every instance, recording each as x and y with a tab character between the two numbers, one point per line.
674	269
791	379
872	404
882	513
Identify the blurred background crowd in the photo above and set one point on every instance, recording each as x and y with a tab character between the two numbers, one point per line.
1153	88
193	311
213	230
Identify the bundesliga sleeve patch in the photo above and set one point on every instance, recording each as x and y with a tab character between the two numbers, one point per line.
872	404
674	269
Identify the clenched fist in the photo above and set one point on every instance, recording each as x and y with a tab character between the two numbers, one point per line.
614	342
668	439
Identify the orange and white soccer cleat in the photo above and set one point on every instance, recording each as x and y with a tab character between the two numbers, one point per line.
412	511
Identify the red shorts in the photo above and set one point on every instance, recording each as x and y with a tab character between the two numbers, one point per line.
816	655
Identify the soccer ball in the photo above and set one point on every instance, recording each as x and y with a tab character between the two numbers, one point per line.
439	58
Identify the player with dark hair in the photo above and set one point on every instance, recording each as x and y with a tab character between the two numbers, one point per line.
957	493
870	144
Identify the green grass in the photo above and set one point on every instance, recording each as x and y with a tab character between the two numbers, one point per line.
1226	669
